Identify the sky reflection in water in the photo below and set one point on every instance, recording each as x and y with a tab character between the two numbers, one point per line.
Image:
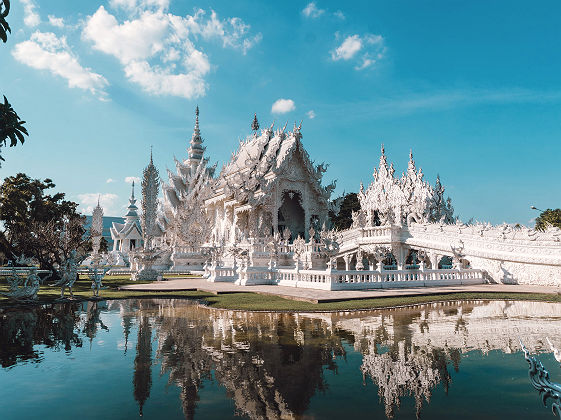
175	359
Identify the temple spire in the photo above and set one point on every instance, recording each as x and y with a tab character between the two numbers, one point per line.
196	150
132	193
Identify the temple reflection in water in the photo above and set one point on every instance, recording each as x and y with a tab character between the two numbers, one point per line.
271	365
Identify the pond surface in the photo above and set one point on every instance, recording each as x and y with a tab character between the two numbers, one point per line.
169	358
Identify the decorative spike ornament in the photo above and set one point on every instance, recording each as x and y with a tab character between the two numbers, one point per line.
255	124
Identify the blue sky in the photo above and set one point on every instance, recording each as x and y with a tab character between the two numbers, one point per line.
474	88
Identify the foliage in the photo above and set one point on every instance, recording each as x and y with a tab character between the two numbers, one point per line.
549	218
4	27
11	126
38	225
344	219
103	245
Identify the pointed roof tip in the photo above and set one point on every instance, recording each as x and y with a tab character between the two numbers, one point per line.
255	123
383	149
197	111
410	154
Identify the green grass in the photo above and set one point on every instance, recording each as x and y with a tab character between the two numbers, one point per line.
82	290
256	302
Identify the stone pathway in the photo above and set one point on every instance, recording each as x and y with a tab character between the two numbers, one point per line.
317	296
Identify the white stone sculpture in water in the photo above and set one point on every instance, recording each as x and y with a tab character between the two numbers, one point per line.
23	290
68	274
539	378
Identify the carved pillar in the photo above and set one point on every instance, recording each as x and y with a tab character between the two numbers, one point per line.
275	211
434	261
306	221
400	257
347	259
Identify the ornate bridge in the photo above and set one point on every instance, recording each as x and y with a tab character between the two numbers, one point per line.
507	254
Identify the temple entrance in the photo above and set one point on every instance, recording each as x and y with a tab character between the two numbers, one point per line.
291	214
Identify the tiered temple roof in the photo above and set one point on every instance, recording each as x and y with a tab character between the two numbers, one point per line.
253	169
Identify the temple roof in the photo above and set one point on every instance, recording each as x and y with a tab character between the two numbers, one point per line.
260	159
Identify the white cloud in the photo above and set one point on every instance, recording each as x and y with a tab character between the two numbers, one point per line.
339	14
108	201
350	46
366	49
110	180
157	50
312	11
45	51
134	4
131	179
58	22
282	106
311	114
31	17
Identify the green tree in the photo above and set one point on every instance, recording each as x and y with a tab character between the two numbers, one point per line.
103	245
344	219
4	27
549	218
36	224
11	125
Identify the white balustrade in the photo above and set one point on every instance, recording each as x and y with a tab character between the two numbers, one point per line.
349	280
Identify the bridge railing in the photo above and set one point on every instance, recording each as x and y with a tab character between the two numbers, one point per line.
359	279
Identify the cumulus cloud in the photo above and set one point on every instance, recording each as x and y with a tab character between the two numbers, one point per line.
282	106
312	11
347	50
157	49
88	202
110	180
45	51
58	22
30	16
131	179
311	114
134	4
366	50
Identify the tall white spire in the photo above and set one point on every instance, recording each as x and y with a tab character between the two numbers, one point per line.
196	150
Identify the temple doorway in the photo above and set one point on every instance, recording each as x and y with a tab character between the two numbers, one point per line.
291	214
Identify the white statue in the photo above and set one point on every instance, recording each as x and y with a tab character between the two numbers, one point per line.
21	289
68	274
96	275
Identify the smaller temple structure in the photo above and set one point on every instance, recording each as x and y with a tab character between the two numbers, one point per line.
127	236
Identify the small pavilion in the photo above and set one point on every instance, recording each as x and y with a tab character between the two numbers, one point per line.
128	236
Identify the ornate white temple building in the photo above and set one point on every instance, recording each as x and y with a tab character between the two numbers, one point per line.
127	236
264	219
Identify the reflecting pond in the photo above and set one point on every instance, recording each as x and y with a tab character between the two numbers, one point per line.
172	358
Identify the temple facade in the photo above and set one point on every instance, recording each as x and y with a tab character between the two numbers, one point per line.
127	236
264	219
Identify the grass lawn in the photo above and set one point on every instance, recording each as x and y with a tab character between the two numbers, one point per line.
82	290
256	302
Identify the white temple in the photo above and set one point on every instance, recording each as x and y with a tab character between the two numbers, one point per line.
127	236
264	220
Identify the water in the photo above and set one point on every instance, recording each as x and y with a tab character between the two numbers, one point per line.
169	358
